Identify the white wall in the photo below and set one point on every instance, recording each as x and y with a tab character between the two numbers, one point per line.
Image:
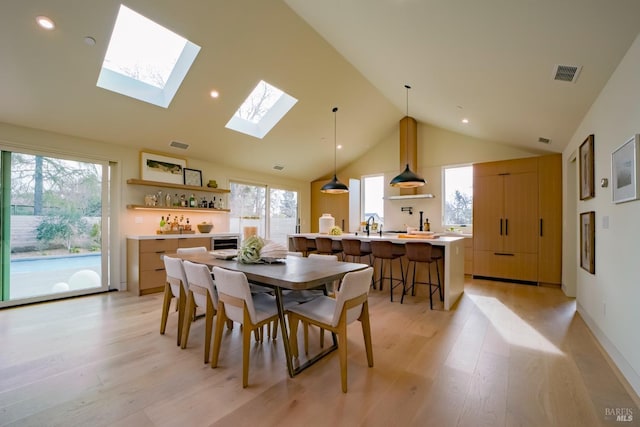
127	222
609	299
436	148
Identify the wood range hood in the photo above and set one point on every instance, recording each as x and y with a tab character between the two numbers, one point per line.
408	149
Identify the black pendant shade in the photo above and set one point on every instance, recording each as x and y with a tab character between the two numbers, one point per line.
407	179
334	186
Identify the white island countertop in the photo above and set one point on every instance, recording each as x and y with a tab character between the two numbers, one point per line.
453	257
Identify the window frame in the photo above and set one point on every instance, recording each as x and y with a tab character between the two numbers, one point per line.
467	226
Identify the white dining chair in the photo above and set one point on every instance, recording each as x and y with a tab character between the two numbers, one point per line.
350	304
237	303
175	286
201	293
194	250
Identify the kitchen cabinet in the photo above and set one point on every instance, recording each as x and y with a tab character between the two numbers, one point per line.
505	219
550	221
468	256
335	204
186	188
145	267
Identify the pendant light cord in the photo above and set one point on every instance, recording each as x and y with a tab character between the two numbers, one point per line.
406	136
335	144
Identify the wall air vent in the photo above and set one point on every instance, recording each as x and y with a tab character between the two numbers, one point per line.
544	140
180	145
566	73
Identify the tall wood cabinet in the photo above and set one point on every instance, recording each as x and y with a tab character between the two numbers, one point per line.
509	212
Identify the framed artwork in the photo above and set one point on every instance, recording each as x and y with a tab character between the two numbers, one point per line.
161	168
193	177
624	171
588	241
587	185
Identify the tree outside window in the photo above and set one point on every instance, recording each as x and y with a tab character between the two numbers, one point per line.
458	200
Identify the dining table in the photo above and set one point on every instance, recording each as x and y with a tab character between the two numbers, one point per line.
291	273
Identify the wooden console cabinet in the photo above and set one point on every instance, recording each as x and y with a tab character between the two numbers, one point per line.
145	267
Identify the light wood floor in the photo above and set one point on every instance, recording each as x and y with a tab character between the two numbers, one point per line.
508	355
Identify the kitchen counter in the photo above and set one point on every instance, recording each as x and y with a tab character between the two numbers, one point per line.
453	257
181	236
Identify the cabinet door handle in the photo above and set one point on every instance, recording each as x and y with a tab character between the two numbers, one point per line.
540	227
502	254
159	269
501	226
160	252
506	227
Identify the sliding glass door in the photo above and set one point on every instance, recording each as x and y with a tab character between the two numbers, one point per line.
53	217
249	206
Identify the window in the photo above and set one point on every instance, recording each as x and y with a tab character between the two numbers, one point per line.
265	106
249	204
372	198
458	196
144	60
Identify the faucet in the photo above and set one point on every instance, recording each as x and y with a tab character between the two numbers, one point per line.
370	221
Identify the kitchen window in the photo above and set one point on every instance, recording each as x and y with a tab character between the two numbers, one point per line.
372	198
458	196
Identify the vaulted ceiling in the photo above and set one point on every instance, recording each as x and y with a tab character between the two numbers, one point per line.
489	61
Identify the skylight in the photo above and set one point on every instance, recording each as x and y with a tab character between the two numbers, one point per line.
265	106
144	60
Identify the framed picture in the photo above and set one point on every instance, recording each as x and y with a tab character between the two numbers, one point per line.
587	185
588	241
624	171
193	177
161	168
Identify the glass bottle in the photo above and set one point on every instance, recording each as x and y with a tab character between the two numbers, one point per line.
192	201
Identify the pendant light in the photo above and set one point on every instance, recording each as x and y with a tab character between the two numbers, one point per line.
334	186
407	179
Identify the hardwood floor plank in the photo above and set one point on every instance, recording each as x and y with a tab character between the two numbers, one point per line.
507	355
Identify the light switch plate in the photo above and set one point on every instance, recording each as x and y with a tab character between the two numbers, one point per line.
605	221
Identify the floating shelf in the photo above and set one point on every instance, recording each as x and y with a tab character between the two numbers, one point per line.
177	186
410	196
176	208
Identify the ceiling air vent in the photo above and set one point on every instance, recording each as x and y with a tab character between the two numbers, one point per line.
278	167
566	73
180	145
544	140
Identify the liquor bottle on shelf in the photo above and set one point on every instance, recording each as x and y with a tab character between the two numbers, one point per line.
192	201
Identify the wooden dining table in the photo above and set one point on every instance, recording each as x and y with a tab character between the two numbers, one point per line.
292	273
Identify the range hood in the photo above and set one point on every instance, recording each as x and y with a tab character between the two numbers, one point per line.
408	156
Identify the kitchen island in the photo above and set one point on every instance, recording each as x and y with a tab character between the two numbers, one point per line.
453	285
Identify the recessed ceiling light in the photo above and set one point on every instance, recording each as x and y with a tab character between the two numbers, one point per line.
45	22
214	94
90	41
339	146
465	121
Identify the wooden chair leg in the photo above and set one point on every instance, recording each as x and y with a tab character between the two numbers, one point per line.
305	326
217	339
181	303
165	308
208	329
246	347
293	334
274	332
191	306
366	332
342	351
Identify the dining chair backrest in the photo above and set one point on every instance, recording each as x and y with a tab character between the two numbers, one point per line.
235	284
196	250
200	275
325	257
175	275
353	285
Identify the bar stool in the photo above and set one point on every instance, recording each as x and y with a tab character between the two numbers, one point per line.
385	250
356	248
328	246
304	245
422	252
